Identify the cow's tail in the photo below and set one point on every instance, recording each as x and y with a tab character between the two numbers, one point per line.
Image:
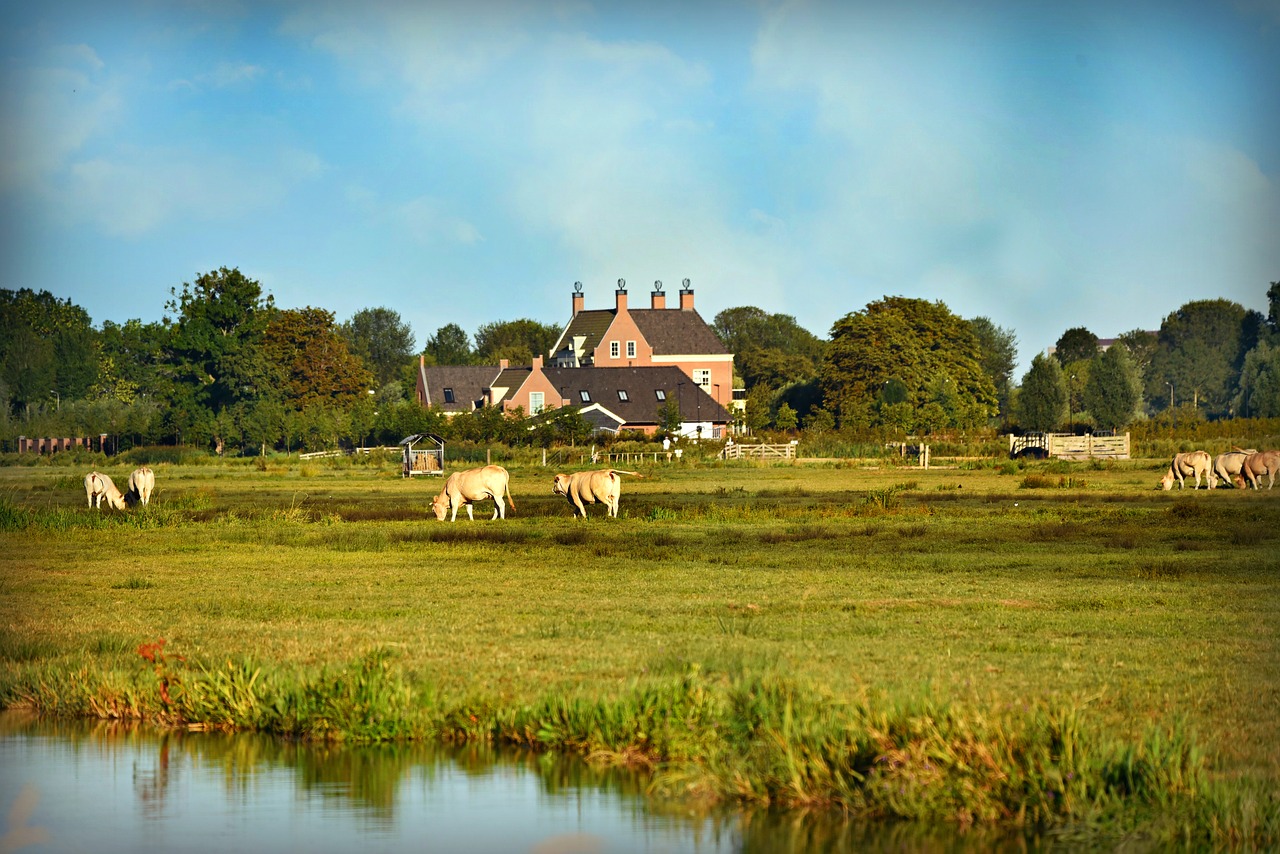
506	487
632	473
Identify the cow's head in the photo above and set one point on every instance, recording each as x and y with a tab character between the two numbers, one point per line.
560	486
1166	482
440	506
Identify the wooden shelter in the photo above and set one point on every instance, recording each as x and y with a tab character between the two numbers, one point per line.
429	459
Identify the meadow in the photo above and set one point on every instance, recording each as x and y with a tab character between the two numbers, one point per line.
1050	644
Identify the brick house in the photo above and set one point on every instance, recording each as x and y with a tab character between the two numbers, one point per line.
625	337
618	399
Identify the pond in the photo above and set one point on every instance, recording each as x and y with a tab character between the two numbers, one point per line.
78	786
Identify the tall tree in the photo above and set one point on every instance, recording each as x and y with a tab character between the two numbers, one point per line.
449	346
912	341
1113	389
215	345
383	341
517	341
1259	394
316	366
47	348
1076	344
769	349
1042	399
1201	349
999	349
132	356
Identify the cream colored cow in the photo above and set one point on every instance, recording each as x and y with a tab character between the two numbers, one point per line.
1185	465
464	487
1264	463
142	481
98	486
588	487
1227	467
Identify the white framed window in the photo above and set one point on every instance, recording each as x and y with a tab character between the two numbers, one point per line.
613	349
536	402
662	395
448	395
585	396
702	376
631	349
622	395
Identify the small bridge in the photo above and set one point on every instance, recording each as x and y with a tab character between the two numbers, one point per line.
1068	446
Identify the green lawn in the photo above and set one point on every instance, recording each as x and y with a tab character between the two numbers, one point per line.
880	584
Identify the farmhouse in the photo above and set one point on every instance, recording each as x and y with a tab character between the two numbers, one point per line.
620	367
624	337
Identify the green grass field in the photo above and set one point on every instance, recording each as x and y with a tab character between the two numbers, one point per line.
991	588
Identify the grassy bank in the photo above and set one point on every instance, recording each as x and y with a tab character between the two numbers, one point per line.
1052	644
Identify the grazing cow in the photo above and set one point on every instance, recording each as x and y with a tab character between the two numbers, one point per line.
1227	467
98	486
588	487
1256	465
141	482
464	487
1185	465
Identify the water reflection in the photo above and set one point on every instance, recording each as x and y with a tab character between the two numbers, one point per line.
109	786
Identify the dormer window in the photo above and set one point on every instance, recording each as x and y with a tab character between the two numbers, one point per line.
448	395
585	396
622	395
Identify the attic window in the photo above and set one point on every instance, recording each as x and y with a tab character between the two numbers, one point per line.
613	350
622	395
662	395
585	395
448	395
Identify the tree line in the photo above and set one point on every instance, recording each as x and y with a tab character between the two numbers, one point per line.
225	368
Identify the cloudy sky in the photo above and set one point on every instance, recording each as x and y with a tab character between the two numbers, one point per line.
1044	164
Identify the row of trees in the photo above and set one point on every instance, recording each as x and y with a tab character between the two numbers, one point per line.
909	365
226	367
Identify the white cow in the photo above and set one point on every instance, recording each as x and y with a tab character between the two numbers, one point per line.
98	486
1185	465
1227	466
464	487
1264	463
588	487
141	483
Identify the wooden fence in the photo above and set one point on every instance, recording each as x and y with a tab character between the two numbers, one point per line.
1069	446
738	451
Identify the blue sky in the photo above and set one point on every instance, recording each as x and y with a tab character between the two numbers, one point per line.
1047	165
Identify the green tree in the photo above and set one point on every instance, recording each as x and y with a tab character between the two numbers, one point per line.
912	341
1076	344
786	418
132	358
1259	393
1113	389
215	349
517	341
449	346
1201	348
312	359
1042	399
379	338
769	349
999	353
48	349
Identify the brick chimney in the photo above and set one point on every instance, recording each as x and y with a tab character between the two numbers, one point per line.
502	364
537	363
686	296
622	295
657	299
577	298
